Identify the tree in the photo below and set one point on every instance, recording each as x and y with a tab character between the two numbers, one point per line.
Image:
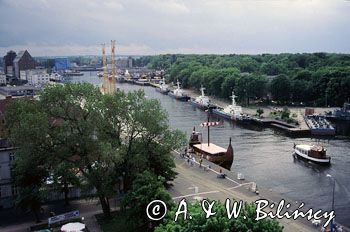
106	138
31	165
219	222
280	89
285	113
146	188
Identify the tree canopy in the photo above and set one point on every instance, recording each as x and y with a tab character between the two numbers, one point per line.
314	79
105	140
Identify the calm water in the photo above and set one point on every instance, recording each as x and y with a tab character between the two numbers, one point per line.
265	156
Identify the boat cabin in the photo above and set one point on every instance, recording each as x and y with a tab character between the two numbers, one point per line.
314	151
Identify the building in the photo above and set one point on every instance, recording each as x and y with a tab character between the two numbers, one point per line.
62	64
123	63
23	61
18	90
40	79
8	190
8	63
2	79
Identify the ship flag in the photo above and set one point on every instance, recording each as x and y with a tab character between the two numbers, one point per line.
204	124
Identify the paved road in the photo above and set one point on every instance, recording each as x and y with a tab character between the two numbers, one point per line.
12	221
209	186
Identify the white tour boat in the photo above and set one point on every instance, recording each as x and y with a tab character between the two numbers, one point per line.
315	153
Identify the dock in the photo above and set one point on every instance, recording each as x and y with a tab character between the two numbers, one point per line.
291	130
195	183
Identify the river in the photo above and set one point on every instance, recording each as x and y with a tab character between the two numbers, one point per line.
265	156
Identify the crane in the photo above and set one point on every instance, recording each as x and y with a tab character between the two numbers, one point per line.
109	81
112	78
105	81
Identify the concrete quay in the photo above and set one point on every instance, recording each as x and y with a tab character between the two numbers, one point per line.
196	183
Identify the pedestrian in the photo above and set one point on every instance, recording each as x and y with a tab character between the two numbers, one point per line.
200	162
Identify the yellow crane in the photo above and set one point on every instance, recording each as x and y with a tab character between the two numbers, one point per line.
109	81
105	84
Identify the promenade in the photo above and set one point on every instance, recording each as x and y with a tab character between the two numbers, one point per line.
195	183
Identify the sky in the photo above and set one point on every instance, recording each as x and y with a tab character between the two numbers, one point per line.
148	27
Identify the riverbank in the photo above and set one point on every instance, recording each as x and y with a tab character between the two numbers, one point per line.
299	112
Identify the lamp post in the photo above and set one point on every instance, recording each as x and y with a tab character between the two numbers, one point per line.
332	222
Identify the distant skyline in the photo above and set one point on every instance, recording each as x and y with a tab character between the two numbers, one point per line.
149	27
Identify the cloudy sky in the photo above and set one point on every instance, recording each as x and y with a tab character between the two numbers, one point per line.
78	27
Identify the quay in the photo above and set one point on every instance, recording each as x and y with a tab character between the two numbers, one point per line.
303	130
195	183
289	129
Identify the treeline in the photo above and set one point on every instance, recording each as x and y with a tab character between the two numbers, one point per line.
316	79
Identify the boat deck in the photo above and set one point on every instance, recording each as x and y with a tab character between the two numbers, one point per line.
212	149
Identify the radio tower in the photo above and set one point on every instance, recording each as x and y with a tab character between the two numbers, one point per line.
105	83
112	79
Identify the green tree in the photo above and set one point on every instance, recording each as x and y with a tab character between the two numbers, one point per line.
146	188
285	113
280	89
106	138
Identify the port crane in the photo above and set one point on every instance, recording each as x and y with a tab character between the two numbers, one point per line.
109	81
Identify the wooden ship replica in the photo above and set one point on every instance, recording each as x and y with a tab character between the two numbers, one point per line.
210	151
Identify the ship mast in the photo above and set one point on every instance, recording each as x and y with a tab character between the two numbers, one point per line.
202	90
112	79
178	84
233	99
105	72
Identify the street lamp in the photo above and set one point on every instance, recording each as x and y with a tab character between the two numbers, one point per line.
332	222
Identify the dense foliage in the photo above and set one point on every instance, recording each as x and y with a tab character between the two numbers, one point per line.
146	188
317	79
75	135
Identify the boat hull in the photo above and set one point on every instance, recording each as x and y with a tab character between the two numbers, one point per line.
165	92
142	83
229	117
198	105
315	160
221	114
223	159
179	98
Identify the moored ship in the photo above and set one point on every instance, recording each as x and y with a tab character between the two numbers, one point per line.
163	88
319	125
178	93
212	152
70	73
342	114
232	112
314	153
202	101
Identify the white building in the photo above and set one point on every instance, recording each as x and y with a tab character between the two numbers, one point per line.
2	79
38	77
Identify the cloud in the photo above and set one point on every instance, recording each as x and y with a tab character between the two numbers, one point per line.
76	49
173	7
191	26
